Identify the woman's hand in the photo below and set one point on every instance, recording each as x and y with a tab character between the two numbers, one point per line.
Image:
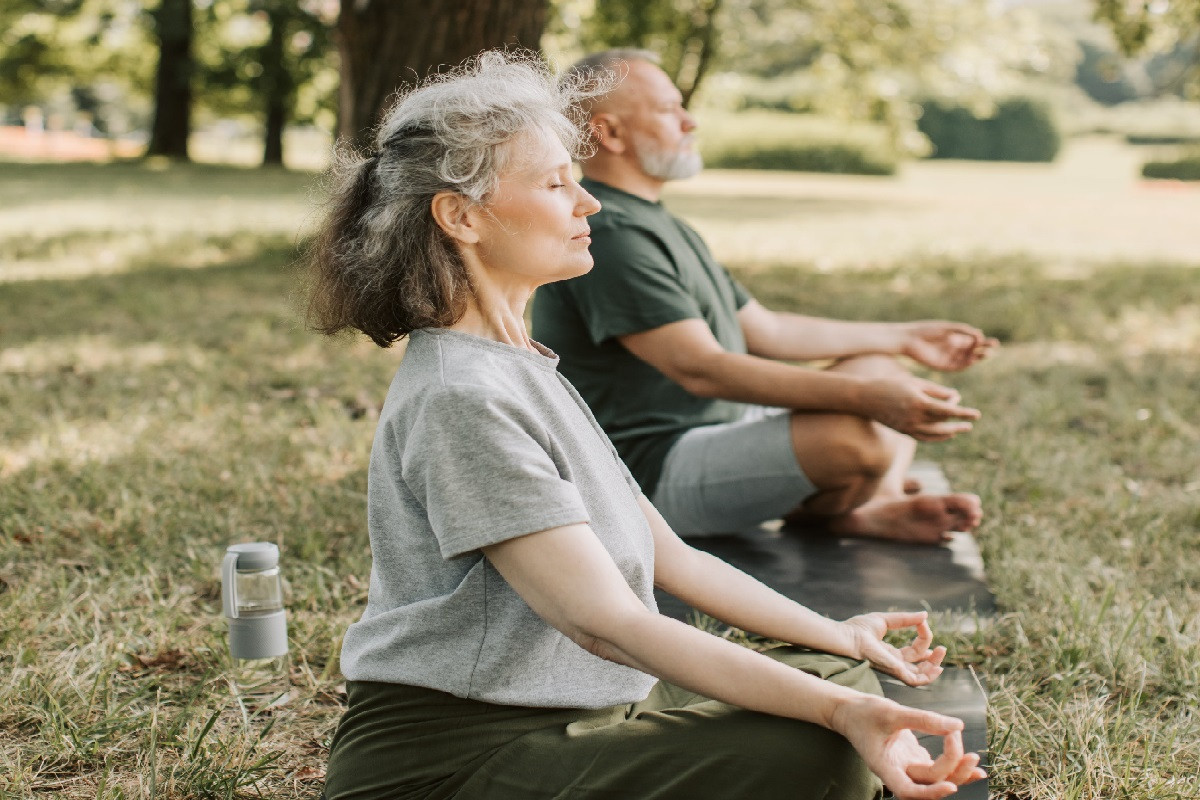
882	733
915	664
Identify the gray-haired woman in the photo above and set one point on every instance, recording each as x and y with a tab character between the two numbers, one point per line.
511	646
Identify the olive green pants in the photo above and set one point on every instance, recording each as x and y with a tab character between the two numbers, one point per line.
408	742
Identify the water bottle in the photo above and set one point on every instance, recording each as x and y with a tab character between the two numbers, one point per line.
252	598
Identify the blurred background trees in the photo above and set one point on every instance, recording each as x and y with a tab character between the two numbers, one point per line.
865	82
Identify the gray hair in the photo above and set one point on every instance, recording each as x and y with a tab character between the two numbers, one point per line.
380	263
607	66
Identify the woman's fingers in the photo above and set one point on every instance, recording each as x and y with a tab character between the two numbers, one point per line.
908	790
914	719
898	620
968	770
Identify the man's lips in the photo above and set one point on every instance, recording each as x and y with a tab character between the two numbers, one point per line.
585	235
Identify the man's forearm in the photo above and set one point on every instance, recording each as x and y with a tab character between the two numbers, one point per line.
793	337
751	379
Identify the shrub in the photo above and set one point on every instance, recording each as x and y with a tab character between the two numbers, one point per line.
799	142
1162	138
1185	168
1021	129
803	157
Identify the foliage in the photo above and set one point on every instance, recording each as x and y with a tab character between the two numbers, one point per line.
682	32
236	64
771	140
1170	30
1019	129
1184	168
864	59
88	55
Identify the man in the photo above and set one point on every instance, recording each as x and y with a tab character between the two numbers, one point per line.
684	370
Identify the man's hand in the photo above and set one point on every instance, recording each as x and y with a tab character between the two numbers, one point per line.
945	346
923	409
915	664
882	733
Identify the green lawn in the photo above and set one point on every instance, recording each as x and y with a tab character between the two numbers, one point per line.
161	400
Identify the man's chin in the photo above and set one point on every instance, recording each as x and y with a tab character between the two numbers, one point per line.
684	168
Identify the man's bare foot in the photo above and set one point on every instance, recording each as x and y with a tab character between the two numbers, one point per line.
923	519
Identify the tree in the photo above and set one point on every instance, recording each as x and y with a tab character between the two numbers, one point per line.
270	59
384	43
173	27
1170	30
683	34
862	59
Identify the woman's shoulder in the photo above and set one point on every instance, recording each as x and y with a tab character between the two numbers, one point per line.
462	372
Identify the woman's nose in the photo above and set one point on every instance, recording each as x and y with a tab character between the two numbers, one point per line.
587	204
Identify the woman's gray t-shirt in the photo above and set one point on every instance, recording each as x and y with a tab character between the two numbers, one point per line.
480	442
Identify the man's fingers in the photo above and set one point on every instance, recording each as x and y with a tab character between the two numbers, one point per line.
945	410
939	431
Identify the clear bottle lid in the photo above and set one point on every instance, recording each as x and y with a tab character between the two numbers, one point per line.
250	583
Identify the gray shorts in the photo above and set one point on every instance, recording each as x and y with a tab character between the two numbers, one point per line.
722	478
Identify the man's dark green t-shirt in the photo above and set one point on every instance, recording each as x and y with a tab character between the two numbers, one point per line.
651	269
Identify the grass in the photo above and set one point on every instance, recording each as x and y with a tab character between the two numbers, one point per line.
159	406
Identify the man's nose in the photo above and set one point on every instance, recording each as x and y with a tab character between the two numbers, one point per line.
689	122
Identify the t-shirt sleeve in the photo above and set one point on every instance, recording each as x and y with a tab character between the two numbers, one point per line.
739	291
482	469
633	286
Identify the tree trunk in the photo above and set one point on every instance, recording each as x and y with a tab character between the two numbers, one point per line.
384	44
705	31
276	87
173	81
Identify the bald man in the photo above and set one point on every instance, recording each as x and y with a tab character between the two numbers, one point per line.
686	372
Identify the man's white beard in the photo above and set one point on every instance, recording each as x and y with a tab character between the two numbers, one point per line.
675	165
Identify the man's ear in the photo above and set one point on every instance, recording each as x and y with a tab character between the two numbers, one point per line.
609	132
455	215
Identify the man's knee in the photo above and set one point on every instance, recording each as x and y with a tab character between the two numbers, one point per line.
836	448
873	365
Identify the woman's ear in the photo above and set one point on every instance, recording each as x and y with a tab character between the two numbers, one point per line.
455	215
608	132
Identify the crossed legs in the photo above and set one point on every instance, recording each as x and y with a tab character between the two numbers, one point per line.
858	468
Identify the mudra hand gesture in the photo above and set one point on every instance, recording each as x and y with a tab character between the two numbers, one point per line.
882	731
915	664
946	346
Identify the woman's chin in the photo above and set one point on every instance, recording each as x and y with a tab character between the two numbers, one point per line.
573	270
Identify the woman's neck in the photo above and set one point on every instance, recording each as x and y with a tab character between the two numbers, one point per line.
497	315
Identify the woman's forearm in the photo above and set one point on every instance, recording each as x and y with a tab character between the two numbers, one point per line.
724	592
713	667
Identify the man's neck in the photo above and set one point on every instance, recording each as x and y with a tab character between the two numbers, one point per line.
625	177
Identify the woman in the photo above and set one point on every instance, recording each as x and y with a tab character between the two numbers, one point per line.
511	646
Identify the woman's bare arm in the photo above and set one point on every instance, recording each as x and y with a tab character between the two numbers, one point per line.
567	577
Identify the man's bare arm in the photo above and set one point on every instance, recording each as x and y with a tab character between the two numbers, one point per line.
689	354
938	344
